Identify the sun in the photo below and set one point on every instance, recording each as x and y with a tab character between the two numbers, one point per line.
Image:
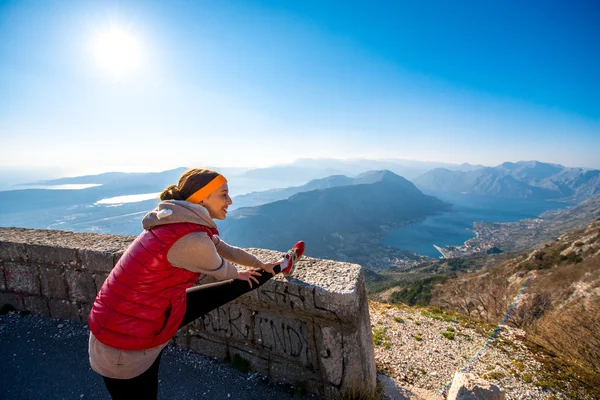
117	52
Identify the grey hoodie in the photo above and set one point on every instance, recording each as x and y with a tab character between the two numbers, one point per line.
174	211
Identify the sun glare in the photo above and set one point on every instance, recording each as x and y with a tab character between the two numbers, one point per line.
117	52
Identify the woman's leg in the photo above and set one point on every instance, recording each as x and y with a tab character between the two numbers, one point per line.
142	387
204	298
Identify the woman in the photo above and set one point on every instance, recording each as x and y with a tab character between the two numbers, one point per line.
148	296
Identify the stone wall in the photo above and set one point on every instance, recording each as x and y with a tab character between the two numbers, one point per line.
312	328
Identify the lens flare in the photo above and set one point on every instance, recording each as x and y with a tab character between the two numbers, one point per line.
479	354
117	52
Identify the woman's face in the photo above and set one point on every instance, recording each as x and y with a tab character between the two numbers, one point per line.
217	202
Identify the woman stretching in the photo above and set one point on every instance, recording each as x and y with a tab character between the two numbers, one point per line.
148	296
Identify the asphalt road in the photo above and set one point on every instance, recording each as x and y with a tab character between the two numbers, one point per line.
46	359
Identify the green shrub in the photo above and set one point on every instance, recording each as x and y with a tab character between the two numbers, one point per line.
493	375
381	339
417	293
448	335
518	365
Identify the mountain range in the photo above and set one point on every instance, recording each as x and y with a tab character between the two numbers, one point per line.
331	211
525	179
324	217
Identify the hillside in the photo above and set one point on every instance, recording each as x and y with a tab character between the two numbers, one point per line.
327	218
421	348
525	179
547	300
552	293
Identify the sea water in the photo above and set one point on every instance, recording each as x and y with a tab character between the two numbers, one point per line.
452	228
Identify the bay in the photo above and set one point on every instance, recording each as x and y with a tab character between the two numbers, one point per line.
452	228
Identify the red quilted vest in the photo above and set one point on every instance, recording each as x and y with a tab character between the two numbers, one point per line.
142	302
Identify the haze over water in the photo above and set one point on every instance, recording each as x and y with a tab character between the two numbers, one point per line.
453	228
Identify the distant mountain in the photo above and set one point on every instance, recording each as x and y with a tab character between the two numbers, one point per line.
269	196
290	173
112	184
304	170
324	217
525	179
406	168
122	179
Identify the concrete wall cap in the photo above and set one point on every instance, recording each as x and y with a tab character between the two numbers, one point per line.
71	240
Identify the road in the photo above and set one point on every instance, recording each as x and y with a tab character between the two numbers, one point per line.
46	359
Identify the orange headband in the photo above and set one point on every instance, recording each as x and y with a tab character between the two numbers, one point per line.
210	187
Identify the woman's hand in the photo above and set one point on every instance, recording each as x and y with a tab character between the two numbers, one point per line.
249	276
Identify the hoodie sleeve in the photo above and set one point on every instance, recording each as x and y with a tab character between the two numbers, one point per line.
197	253
236	255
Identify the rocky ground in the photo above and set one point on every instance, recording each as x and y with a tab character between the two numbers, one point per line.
420	350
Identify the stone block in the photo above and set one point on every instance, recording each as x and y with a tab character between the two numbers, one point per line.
342	306
229	321
12	299
294	374
10	251
470	387
52	256
36	305
331	356
182	337
99	278
258	362
207	345
282	295
95	260
81	285
288	338
197	325
359	355
64	309
2	278
84	312
53	283
355	371
21	278
117	256
310	300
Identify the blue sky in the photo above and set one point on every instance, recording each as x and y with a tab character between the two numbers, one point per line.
255	83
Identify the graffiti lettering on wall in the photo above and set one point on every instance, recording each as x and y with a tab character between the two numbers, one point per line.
284	337
282	293
229	321
296	297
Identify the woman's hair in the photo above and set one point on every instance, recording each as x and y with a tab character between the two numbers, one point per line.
190	182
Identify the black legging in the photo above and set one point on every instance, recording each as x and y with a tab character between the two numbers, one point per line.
200	300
